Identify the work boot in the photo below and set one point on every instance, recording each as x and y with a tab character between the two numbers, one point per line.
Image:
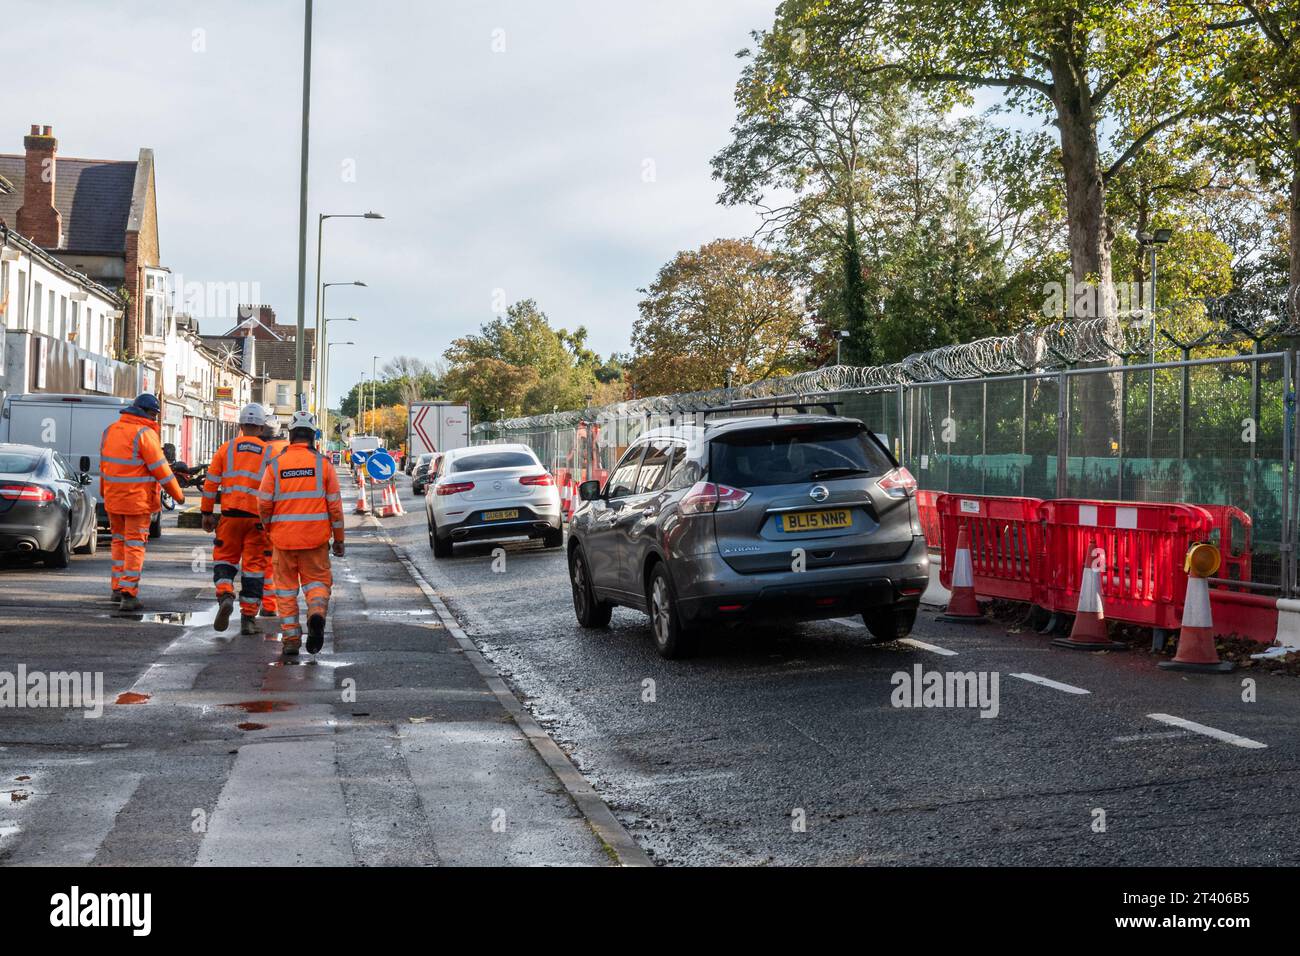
117	596
130	605
268	612
248	624
225	607
315	633
289	646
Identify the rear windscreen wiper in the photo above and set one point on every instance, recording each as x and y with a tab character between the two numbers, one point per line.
838	473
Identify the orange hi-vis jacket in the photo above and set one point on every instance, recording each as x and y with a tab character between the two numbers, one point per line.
132	468
236	471
299	497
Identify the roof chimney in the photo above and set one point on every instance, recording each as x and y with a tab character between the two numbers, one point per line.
38	220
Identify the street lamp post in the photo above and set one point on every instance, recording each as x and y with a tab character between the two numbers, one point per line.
322	387
320	333
1152	241
320	289
300	344
374	391
841	336
326	365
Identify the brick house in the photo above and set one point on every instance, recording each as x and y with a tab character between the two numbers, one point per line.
275	357
101	218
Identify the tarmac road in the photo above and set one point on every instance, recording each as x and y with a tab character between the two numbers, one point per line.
717	759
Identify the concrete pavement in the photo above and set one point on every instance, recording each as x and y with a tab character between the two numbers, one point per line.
388	748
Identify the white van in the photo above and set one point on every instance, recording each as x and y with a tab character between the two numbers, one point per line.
72	425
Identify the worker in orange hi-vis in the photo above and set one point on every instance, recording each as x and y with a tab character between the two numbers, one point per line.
133	470
301	507
277	440
241	546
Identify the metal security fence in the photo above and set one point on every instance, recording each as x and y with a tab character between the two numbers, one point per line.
1216	430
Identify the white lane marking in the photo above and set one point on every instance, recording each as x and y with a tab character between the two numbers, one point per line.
1157	735
909	641
1055	685
932	648
168	676
1223	735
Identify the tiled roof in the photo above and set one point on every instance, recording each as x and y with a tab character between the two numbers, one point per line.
93	196
279	359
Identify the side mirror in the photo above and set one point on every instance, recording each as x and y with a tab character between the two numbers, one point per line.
589	490
84	464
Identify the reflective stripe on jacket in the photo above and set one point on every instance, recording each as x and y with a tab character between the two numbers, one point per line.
299	500
236	471
133	468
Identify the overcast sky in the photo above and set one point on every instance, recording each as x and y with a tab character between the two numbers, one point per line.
508	144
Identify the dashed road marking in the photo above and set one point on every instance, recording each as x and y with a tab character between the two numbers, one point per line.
1054	684
1227	738
932	648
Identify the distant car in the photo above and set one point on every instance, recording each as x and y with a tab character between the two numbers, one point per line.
489	492
46	508
794	516
420	476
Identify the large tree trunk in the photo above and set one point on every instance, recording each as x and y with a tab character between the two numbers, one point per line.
1085	190
1094	407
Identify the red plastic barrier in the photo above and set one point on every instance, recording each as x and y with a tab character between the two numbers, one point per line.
1142	551
1235	548
927	511
1006	543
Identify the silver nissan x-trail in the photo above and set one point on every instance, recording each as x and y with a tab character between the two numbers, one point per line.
795	516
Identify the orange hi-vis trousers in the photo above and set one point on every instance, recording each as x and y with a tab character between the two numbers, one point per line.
310	569
130	535
241	547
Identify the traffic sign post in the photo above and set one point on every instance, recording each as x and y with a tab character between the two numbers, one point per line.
380	465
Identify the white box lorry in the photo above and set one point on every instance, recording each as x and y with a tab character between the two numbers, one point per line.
436	426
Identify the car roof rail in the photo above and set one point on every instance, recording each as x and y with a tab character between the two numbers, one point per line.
800	405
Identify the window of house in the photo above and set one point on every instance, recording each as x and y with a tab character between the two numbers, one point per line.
155	298
63	317
74	327
48	328
38	320
6	301
20	320
282	395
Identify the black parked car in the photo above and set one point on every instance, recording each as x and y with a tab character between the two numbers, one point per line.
46	508
423	472
795	516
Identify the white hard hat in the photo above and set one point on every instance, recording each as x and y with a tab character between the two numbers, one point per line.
252	414
302	419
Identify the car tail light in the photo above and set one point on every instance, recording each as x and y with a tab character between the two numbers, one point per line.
898	483
705	498
455	487
542	479
25	493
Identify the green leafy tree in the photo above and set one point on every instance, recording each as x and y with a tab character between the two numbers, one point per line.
728	307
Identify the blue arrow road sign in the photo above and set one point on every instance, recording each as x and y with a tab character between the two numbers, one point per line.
359	457
381	465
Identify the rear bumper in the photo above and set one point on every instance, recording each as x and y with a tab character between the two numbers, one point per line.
27	532
715	592
532	522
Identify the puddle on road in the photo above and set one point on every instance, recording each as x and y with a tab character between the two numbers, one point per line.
176	618
131	697
248	725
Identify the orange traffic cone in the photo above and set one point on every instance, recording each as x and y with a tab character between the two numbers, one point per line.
397	500
363	506
1196	650
962	607
1089	631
